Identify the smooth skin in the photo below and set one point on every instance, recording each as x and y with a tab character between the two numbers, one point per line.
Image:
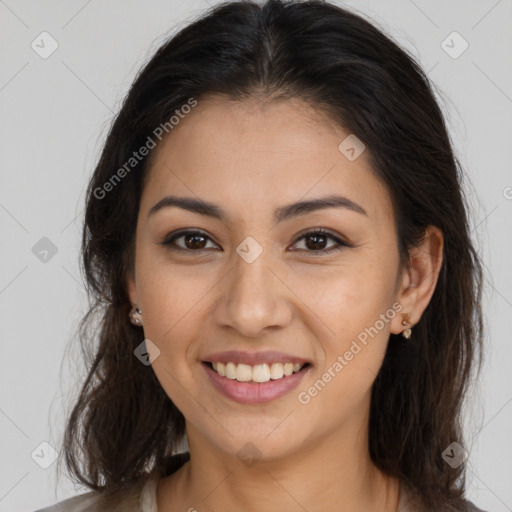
250	158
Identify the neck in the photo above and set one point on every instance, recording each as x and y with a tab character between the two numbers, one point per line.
329	475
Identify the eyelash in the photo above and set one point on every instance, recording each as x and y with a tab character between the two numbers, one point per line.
341	244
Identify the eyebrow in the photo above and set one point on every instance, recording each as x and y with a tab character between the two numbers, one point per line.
283	213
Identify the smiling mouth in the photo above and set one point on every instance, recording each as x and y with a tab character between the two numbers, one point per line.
255	373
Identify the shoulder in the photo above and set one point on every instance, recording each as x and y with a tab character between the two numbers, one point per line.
76	503
140	497
411	502
127	501
473	508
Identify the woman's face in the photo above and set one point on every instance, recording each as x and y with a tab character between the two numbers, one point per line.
250	282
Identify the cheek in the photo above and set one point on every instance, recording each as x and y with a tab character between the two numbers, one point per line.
354	304
173	297
173	305
353	347
348	298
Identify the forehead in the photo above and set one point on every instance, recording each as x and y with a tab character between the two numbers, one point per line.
251	155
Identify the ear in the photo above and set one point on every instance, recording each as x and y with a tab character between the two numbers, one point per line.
420	279
131	289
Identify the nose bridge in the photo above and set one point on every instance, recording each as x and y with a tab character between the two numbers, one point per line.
254	296
251	274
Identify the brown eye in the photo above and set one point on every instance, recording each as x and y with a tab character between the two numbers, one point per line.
316	240
194	241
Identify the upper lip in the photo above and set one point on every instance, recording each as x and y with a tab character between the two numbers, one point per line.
254	358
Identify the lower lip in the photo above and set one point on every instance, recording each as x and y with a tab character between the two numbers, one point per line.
255	392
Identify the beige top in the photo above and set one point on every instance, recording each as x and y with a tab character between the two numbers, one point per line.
142	498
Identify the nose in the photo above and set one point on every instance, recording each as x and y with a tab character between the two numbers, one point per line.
254	298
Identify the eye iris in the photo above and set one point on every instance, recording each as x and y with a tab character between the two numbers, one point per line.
316	245
195	237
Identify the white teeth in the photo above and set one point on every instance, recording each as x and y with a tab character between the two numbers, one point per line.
276	371
261	373
243	372
231	370
258	373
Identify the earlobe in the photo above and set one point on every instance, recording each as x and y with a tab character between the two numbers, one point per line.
135	314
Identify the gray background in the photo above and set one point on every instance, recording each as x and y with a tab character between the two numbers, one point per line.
55	113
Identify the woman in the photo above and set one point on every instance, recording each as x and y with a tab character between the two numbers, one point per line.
277	245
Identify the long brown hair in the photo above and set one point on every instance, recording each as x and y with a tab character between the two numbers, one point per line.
123	425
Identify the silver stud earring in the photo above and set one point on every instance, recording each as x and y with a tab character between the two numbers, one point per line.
136	316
